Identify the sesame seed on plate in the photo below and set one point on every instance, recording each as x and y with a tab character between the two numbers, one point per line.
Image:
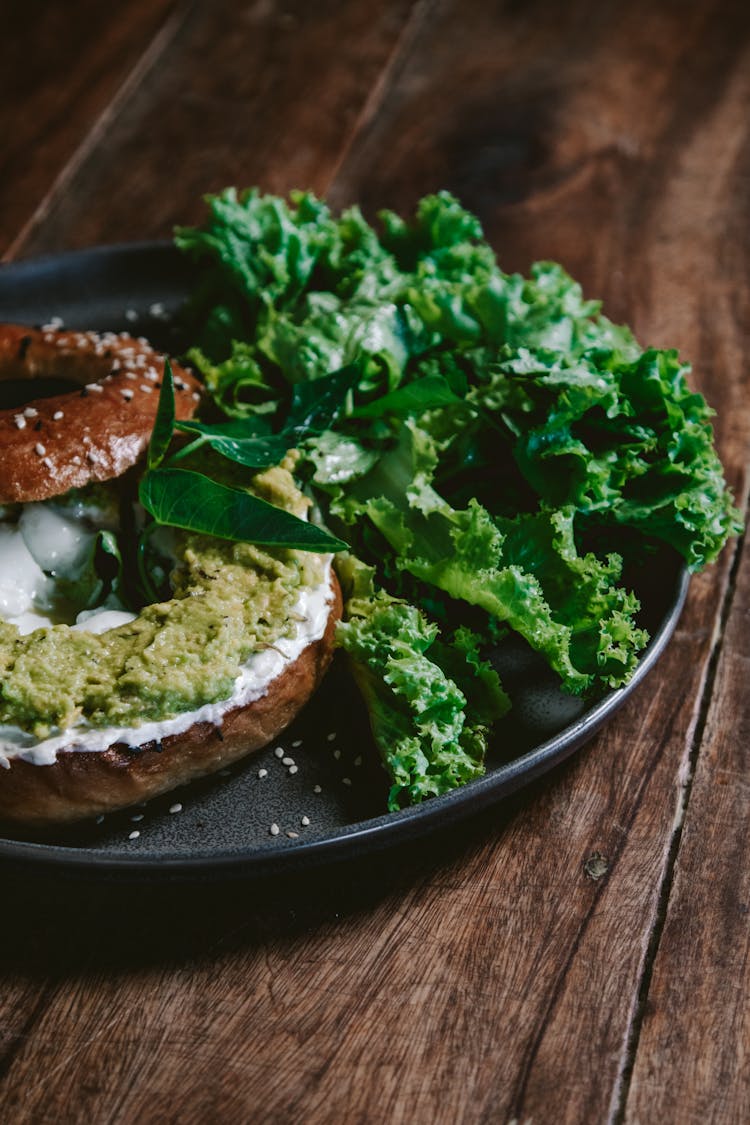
137	816
330	737
292	835
274	829
177	807
317	789
358	760
262	773
293	769
287	761
305	821
134	835
296	743
346	781
337	754
279	752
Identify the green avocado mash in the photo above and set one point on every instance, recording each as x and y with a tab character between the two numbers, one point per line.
229	601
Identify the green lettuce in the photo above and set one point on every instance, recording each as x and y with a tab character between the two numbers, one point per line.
474	436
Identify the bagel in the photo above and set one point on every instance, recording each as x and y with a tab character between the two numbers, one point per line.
94	433
64	765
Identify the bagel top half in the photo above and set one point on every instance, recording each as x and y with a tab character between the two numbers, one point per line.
93	433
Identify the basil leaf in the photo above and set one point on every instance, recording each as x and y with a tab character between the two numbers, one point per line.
194	502
426	393
317	404
240	441
237	428
163	429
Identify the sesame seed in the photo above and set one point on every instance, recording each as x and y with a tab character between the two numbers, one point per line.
57	415
262	773
297	743
346	781
292	835
330	737
196	396
305	821
100	819
127	394
20	421
279	753
145	387
358	760
317	789
225	773
131	314
337	754
134	835
137	817
47	462
94	387
287	761
274	829
175	808
30	412
40	449
293	769
157	309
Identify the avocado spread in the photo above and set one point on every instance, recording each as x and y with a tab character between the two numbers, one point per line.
229	600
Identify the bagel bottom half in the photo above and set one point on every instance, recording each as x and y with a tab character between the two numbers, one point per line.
80	784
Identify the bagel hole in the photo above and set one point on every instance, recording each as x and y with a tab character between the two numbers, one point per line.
20	392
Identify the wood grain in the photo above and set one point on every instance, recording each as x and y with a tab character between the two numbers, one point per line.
61	66
249	93
503	976
691	1065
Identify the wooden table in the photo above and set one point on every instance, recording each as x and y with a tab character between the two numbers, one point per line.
496	975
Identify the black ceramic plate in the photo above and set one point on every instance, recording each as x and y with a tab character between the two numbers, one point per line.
331	806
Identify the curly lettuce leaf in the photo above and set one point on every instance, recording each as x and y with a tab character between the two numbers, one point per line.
418	690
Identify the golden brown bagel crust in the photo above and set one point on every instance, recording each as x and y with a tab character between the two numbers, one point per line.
51	445
81	783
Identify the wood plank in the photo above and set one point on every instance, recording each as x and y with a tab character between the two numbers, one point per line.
691	1065
60	67
250	93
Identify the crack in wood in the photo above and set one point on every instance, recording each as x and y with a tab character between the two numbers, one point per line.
622	1087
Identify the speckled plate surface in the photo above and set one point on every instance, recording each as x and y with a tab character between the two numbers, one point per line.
320	786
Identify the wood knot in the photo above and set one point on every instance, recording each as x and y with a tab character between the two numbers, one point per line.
595	866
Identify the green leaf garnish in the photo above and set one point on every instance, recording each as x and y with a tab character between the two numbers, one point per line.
161	435
194	502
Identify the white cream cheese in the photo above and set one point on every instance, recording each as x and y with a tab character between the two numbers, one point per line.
309	614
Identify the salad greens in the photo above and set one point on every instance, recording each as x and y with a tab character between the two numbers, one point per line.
473	436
